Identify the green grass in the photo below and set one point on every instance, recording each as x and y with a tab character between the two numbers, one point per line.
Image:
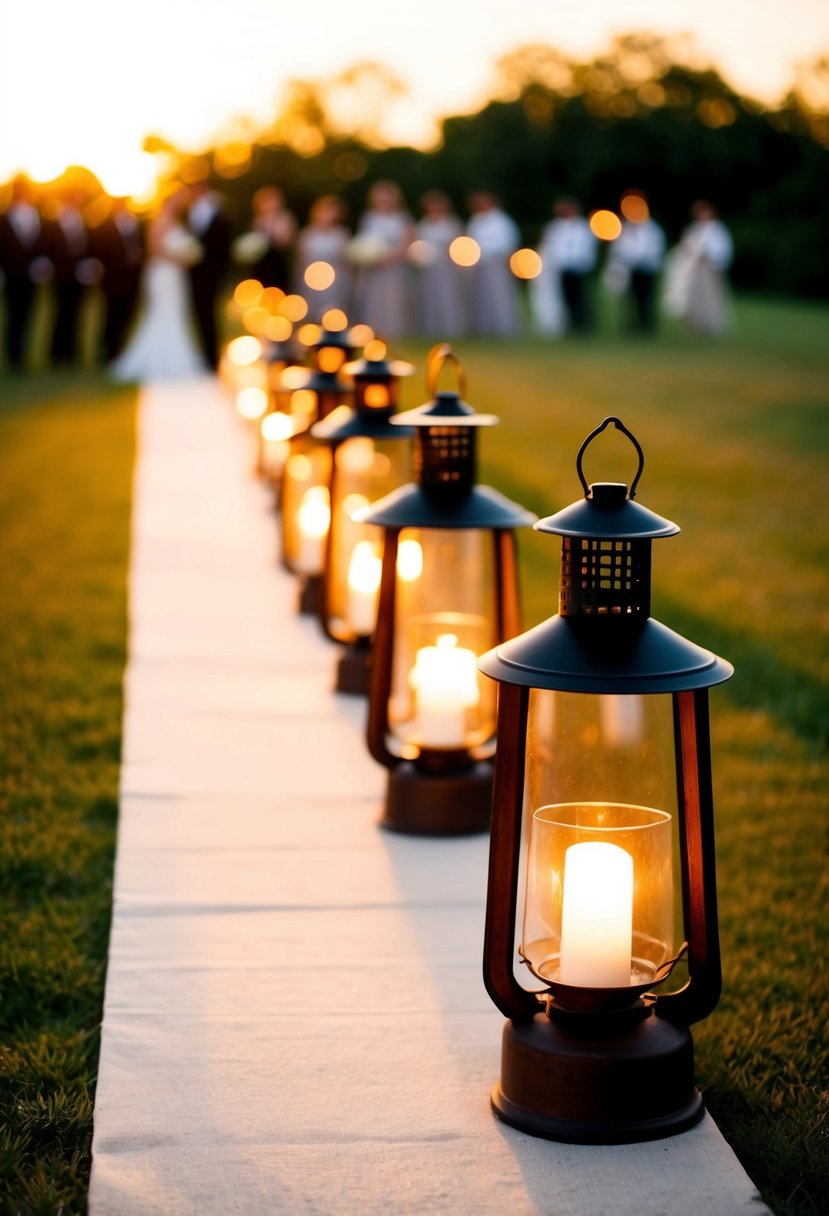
736	439
735	436
66	449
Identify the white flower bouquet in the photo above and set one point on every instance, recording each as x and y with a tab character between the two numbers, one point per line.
183	246
249	248
366	250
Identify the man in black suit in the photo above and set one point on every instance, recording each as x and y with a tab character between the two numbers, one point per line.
207	221
68	249
21	245
119	247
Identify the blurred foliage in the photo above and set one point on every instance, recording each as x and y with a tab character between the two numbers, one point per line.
637	115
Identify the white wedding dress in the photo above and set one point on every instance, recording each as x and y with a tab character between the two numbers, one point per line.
163	345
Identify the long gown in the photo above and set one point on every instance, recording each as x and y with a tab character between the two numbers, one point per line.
163	345
381	298
495	306
442	309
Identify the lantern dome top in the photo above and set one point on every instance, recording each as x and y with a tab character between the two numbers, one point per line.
345	422
411	507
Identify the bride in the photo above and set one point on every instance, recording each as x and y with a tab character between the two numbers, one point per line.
163	347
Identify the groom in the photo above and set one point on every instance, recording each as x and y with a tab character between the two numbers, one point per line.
207	221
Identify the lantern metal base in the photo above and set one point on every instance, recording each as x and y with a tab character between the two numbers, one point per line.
630	1081
442	803
310	595
354	669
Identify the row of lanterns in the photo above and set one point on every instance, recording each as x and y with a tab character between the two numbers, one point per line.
591	766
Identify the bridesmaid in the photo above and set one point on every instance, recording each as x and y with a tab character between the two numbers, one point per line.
441	302
325	239
277	224
387	230
495	307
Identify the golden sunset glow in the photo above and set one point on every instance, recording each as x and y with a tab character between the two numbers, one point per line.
196	74
605	225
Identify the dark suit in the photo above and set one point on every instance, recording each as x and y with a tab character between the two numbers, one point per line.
16	258
120	250
206	277
66	252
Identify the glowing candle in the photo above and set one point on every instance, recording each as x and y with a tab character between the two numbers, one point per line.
363	585
445	680
597	916
314	518
276	430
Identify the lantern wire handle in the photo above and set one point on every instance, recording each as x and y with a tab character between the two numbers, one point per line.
617	422
438	356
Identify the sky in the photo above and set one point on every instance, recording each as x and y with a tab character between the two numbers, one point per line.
83	81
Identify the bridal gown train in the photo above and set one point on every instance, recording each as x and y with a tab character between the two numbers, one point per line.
163	346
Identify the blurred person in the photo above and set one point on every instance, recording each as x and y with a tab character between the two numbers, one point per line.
572	249
379	250
207	221
163	346
277	226
69	249
548	314
634	263
21	250
495	307
119	246
325	239
441	303
696	285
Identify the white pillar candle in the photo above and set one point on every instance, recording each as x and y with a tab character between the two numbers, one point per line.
445	680
313	519
364	571
597	916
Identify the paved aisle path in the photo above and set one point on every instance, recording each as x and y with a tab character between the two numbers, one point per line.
295	1020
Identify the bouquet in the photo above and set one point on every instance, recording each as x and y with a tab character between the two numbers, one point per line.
366	250
182	246
250	247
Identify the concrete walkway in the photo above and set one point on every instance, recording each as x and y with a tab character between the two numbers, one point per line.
295	1020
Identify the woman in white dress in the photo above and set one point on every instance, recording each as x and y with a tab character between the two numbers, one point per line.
495	306
325	239
163	345
441	303
696	286
380	249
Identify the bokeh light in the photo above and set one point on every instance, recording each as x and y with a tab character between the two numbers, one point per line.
634	207
334	320
255	320
278	329
294	308
304	404
241	352
319	276
295	376
252	402
309	334
276	426
360	335
375	351
331	359
464	251
272	298
605	225
409	561
248	293
525	264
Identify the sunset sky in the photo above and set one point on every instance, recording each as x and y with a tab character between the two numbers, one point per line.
83	82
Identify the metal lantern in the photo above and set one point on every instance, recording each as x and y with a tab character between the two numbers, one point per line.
306	508
448	591
276	426
369	458
602	840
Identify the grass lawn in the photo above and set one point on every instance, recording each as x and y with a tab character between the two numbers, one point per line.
66	447
736	439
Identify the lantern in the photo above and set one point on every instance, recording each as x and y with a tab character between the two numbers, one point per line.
276	426
306	508
602	823
369	458
448	591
